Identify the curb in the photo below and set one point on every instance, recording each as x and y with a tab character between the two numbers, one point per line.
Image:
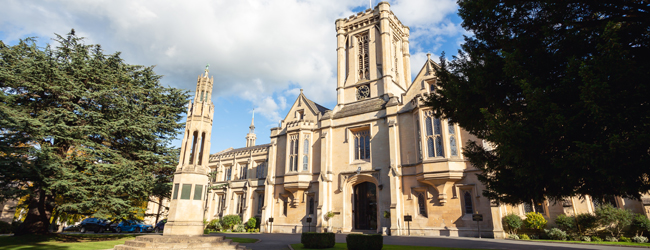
580	243
289	245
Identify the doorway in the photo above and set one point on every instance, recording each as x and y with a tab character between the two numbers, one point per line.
365	206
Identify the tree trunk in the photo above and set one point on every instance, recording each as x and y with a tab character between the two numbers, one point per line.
38	216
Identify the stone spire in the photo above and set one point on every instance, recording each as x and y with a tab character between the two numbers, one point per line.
250	137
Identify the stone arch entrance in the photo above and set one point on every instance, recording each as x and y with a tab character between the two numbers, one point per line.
365	206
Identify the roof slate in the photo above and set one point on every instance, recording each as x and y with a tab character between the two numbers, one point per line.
241	149
361	107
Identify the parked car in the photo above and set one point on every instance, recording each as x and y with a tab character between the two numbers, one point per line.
94	224
133	226
160	226
73	228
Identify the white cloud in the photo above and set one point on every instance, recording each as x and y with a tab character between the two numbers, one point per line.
257	49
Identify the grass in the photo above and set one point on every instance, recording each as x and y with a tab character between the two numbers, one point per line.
242	240
64	241
343	246
600	243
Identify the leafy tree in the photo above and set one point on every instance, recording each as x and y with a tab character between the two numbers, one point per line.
82	131
534	220
512	223
229	221
640	224
613	219
560	90
587	223
565	223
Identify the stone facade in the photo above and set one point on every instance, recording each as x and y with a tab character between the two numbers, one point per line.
376	157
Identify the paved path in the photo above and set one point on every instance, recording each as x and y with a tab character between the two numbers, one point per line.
280	241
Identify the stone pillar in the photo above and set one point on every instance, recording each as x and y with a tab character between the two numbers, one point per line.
340	51
387	64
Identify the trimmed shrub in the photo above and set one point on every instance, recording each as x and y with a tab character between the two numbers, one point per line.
566	223
512	222
214	225
640	224
524	237
229	221
250	224
611	239
15	224
587	222
513	236
596	239
586	238
364	241
613	219
625	239
556	234
5	228
534	237
640	239
239	228
317	240
535	221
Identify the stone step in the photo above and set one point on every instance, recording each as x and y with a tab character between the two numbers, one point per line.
179	242
188	245
179	239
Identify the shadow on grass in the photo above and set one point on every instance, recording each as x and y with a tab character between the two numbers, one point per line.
53	241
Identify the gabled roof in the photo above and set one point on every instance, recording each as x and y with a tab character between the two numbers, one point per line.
231	150
316	106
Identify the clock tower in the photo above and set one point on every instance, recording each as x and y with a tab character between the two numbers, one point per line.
373	56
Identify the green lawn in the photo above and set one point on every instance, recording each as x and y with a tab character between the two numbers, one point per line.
64	241
76	241
343	246
600	243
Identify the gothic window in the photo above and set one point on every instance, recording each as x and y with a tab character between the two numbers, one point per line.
609	199
222	203
362	144
260	203
311	205
467	198
364	60
419	134
196	134
422	205
434	135
261	167
532	206
396	51
227	173
241	203
243	171
452	139
201	148
293	153
305	157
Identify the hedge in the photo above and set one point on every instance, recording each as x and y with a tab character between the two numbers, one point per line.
317	240
364	241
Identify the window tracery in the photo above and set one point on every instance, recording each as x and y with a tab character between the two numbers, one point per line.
452	139
433	135
305	157
362	144
293	153
364	72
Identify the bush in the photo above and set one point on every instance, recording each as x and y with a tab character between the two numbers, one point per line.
640	239
611	239
535	221
5	228
239	228
566	223
229	221
524	237
214	225
613	219
512	223
513	237
364	241
556	234
640	224
587	222
250	224
625	239
596	239
586	238
534	237
317	240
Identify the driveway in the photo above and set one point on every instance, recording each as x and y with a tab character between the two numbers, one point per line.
280	241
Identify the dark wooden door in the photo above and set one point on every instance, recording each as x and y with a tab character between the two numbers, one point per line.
365	206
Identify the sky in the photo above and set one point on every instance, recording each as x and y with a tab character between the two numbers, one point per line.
261	52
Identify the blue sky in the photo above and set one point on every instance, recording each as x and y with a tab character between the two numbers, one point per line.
261	52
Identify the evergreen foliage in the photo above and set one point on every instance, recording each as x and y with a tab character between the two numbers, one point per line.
365	241
560	89
512	223
587	223
317	240
83	131
614	220
640	224
229	221
566	223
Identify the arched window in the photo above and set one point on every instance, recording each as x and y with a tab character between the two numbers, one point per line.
361	144
305	157
284	208
421	205
260	203
452	139
293	153
311	205
469	208
433	135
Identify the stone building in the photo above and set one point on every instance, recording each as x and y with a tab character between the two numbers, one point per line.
377	156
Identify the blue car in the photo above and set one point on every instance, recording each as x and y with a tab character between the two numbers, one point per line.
160	226
131	226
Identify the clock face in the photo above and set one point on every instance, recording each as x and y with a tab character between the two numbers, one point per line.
363	92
